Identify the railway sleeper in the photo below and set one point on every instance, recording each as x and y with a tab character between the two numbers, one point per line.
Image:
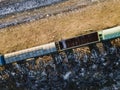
94	48
107	45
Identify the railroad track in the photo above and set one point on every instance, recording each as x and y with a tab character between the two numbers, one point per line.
25	5
44	14
90	40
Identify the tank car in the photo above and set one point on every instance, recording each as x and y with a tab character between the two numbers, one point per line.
30	53
109	34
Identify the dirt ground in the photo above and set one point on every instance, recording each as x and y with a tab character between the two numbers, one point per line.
62	26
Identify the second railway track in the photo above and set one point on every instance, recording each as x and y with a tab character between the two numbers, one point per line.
43	14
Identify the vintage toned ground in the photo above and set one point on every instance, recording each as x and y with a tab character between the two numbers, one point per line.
44	11
6	2
65	25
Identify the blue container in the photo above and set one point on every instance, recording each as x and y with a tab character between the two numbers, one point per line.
2	61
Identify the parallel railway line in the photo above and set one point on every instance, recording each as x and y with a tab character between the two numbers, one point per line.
40	15
89	40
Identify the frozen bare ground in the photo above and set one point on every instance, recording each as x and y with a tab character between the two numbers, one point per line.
25	5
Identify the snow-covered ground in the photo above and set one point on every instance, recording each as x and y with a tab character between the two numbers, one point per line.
43	14
29	4
25	5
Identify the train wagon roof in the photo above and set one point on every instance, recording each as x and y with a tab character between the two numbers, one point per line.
111	33
52	44
81	40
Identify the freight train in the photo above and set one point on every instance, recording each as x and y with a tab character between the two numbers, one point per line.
62	45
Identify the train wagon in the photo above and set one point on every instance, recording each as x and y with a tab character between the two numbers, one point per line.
30	53
111	33
79	41
90	38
